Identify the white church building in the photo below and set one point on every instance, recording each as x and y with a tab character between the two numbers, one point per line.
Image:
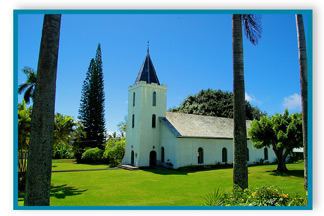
173	140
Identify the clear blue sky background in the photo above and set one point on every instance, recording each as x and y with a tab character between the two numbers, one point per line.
190	52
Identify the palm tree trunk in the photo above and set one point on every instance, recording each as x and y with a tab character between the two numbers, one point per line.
240	172
303	84
38	176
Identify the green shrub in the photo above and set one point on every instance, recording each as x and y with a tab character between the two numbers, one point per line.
115	152
63	152
92	155
264	196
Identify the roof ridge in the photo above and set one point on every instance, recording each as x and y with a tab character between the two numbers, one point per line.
204	116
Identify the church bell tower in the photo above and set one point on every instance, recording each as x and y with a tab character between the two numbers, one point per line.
146	103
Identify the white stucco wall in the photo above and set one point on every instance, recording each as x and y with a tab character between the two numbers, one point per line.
187	153
212	151
257	154
170	143
143	137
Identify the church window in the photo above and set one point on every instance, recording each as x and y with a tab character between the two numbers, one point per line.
265	154
134	99
200	155
154	98
153	120
224	155
133	121
162	154
132	157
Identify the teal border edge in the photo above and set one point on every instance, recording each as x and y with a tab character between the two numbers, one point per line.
307	12
162	11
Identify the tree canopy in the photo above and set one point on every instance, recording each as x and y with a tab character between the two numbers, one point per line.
282	132
215	103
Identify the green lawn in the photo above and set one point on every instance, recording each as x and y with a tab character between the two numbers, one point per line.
70	164
156	187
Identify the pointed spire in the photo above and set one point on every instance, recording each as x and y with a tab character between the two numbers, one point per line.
147	72
148	47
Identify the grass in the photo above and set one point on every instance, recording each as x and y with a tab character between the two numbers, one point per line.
157	187
70	164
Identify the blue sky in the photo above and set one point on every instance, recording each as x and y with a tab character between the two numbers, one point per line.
190	52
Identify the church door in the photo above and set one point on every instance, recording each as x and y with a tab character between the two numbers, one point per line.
152	159
132	157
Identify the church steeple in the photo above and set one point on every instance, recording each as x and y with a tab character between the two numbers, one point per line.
147	72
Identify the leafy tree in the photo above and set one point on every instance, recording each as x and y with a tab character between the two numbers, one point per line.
303	84
214	103
29	86
39	169
252	29
282	132
91	112
24	121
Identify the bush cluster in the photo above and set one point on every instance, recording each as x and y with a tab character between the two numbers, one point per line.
263	196
115	151
92	155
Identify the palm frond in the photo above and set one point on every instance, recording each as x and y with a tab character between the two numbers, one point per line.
29	86
29	93
252	27
22	87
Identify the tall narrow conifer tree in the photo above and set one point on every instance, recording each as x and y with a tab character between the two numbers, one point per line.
91	112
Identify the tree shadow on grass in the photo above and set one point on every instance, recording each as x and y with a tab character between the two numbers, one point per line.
164	172
296	173
59	192
181	171
62	191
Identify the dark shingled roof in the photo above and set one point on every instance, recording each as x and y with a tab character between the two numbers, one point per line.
147	72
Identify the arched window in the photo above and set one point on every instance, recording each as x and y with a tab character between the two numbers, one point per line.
265	153
132	157
200	155
162	154
133	121
247	154
154	98
224	155
153	120
134	99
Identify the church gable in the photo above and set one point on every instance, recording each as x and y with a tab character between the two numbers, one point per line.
198	126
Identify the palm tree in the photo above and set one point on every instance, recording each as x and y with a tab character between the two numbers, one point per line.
303	85
24	121
63	130
252	29
122	126
29	86
39	168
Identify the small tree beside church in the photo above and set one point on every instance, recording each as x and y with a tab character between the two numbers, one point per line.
91	112
282	131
